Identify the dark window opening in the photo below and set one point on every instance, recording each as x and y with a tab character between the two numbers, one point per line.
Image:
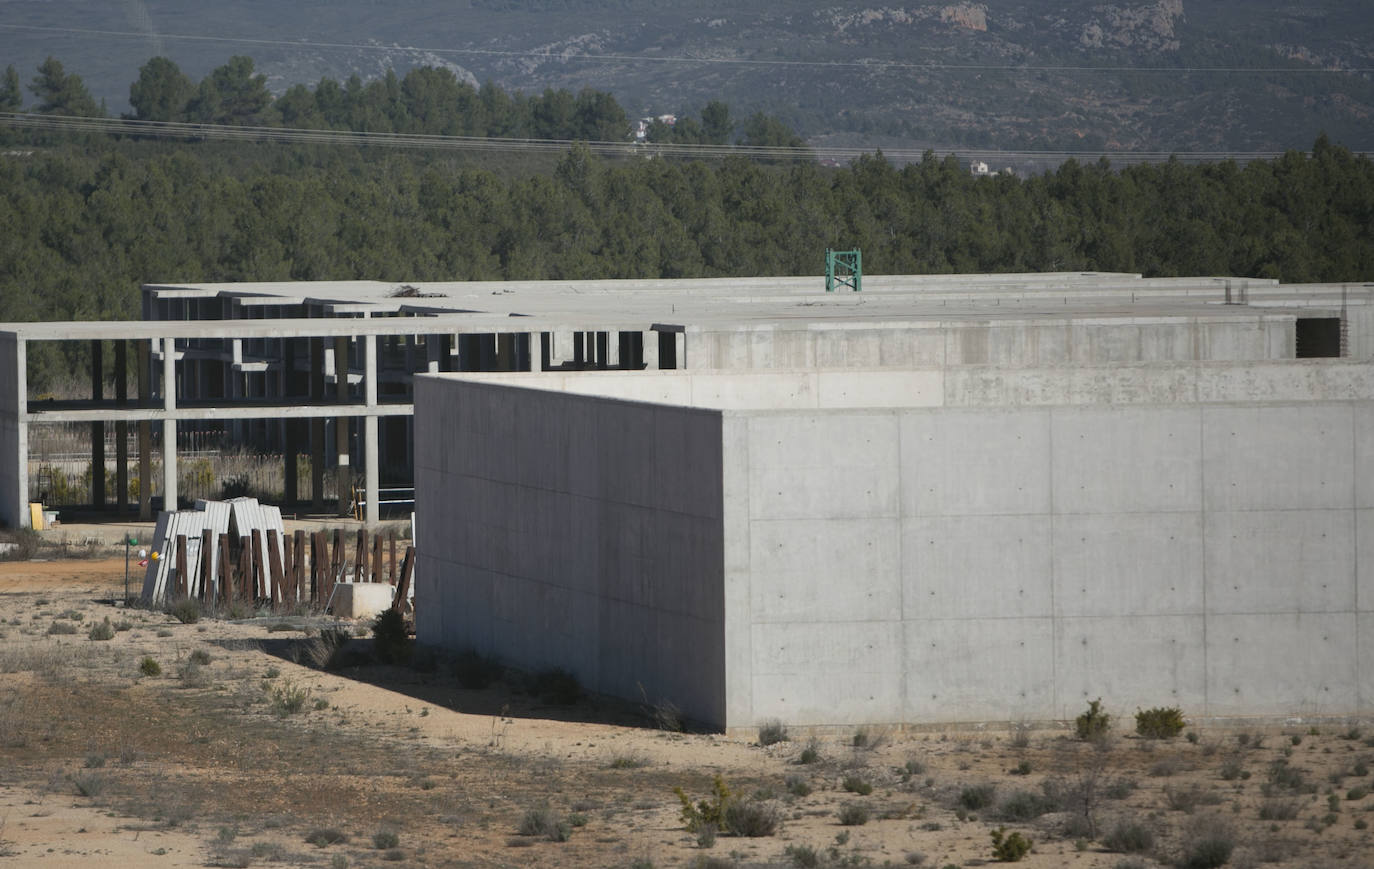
1319	337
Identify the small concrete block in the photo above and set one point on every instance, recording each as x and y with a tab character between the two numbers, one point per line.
360	600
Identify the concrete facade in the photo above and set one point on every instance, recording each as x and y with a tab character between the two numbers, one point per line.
996	553
606	562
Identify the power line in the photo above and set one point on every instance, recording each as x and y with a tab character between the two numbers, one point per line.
678	59
434	142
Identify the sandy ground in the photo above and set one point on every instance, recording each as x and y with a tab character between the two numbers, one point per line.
201	765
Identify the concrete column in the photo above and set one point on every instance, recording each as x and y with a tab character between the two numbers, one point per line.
121	498
342	473
434	346
98	427
316	425
14	432
145	434
370	451
650	350
169	426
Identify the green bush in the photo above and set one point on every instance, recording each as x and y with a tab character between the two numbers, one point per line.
391	637
324	836
149	667
102	631
857	785
853	814
710	810
752	818
60	627
1024	806
185	610
1128	837
1009	849
288	698
1094	723
772	732
1208	844
1162	722
798	786
544	821
200	656
976	797
802	856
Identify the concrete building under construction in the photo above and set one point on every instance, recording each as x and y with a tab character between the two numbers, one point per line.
938	499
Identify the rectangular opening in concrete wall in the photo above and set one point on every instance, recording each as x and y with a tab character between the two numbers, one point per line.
1318	337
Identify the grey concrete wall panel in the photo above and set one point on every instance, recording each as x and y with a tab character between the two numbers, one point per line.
968	567
831	671
1289	664
959	462
924	563
1132	662
1364	455
846	569
605	562
1143	563
1263	561
1127	460
1276	458
823	466
1364	559
979	669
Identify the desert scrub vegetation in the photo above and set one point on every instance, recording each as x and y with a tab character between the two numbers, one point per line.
723	812
1207	842
149	666
1129	837
1095	723
102	630
287	698
977	797
322	837
1009	848
185	610
853	814
1162	722
772	732
857	785
542	821
391	641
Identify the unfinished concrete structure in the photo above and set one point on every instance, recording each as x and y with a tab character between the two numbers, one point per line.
945	498
962	514
323	369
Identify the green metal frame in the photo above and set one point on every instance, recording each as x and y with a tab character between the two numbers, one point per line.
844	268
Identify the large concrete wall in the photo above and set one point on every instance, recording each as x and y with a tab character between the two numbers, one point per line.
1012	546
14	451
1002	342
974	564
582	533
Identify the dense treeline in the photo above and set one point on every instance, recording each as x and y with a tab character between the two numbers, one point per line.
84	222
426	100
81	226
